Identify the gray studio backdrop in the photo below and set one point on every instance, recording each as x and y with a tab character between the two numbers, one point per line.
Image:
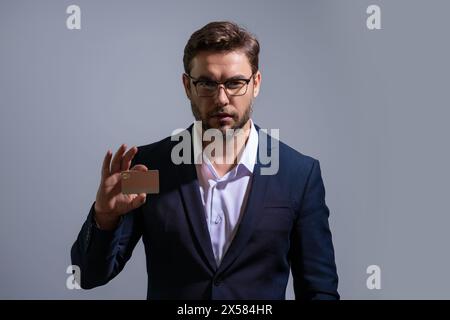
371	105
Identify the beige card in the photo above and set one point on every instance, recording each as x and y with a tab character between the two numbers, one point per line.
140	182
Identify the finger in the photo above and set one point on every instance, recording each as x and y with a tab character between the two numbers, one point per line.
138	201
106	163
126	160
115	167
143	196
140	167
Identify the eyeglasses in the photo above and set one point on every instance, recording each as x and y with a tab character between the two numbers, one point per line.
208	88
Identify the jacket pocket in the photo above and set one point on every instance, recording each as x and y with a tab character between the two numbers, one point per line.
276	216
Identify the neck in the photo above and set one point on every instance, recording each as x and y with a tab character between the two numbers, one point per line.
226	152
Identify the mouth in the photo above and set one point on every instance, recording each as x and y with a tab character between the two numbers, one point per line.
223	116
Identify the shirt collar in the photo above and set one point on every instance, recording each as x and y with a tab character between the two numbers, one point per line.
247	157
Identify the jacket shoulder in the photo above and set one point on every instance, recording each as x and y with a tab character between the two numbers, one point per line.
155	148
289	157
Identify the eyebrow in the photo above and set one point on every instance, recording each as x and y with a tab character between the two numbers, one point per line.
236	77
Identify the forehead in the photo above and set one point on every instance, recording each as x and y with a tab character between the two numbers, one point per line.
219	66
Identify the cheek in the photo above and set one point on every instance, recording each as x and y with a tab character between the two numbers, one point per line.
203	106
243	105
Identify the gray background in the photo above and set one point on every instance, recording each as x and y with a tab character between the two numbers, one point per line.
370	105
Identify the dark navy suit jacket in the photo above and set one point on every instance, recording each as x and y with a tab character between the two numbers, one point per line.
284	226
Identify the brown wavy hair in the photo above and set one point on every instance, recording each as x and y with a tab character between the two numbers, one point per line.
221	36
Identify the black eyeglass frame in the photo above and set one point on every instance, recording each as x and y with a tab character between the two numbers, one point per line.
195	81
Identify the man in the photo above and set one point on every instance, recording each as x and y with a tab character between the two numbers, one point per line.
217	229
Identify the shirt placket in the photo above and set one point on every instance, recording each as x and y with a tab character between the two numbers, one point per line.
216	223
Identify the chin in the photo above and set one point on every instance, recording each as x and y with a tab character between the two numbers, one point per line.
221	125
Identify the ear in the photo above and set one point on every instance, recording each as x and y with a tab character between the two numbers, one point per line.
187	85
257	84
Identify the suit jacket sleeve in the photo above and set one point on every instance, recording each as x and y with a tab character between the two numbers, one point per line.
101	254
312	254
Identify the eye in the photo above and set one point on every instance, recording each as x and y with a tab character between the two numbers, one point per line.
206	84
235	84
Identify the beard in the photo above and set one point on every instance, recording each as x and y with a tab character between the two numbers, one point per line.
239	123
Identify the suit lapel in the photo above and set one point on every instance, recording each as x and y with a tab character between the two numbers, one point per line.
245	229
253	208
190	193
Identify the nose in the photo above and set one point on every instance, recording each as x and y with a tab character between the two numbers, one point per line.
222	98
